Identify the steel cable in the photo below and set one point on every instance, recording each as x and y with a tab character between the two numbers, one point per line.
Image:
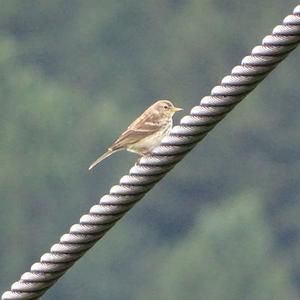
149	170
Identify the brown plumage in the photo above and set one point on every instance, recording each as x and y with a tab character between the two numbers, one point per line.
146	132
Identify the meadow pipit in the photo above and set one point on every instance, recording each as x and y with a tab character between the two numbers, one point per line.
146	132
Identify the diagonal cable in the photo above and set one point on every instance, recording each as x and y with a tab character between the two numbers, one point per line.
143	176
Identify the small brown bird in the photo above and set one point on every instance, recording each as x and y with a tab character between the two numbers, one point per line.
146	132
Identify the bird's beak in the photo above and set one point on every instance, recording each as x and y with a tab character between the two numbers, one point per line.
176	109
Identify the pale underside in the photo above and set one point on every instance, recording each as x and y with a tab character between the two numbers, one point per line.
147	144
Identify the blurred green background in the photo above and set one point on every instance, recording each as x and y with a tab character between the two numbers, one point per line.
224	224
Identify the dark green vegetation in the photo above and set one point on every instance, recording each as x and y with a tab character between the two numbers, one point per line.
225	224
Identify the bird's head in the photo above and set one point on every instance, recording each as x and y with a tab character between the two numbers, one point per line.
166	108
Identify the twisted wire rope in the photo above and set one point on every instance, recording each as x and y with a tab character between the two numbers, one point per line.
150	169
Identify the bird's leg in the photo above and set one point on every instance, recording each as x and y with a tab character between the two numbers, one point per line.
139	159
140	155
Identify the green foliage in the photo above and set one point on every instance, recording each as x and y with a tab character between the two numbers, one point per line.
228	254
74	74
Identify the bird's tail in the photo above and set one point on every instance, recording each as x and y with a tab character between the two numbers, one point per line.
102	157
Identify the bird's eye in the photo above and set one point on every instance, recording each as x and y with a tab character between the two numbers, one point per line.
166	106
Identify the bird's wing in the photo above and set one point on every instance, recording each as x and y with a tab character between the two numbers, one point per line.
142	127
148	121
